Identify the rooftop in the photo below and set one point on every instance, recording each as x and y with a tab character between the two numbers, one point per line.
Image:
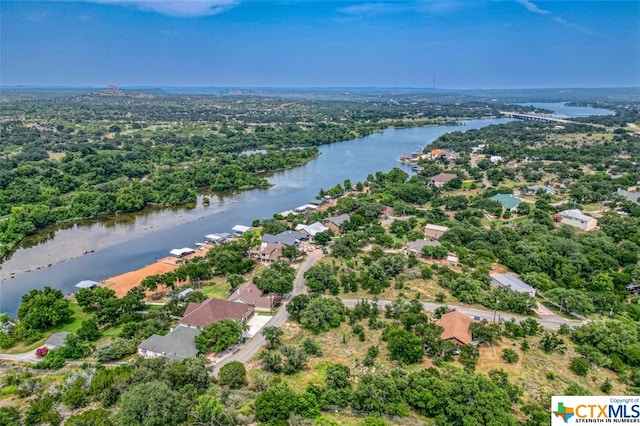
456	326
508	201
178	344
514	283
212	310
87	284
575	214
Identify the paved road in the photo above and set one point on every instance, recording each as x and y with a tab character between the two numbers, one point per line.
253	346
548	321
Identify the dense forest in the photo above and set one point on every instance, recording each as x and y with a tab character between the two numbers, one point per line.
69	158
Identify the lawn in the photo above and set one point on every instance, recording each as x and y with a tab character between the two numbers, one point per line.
216	291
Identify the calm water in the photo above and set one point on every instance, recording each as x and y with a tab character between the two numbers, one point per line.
106	248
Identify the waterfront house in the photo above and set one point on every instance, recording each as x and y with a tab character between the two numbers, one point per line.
335	223
267	252
312	229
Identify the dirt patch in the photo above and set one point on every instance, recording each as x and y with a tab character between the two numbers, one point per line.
121	284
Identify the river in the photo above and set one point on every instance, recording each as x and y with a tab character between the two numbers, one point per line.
104	248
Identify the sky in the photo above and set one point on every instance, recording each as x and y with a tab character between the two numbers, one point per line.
321	43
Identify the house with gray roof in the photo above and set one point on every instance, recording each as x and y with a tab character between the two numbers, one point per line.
179	344
56	340
634	197
288	238
513	283
577	219
416	246
335	223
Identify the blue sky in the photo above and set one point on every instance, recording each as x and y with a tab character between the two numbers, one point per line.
306	43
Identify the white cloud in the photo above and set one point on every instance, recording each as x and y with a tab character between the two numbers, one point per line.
179	8
371	8
533	8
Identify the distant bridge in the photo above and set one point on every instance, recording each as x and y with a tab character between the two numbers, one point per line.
534	117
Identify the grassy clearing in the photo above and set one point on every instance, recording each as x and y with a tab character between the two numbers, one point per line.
216	291
72	325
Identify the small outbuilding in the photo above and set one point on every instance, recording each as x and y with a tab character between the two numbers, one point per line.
434	232
87	284
577	219
181	252
513	283
56	340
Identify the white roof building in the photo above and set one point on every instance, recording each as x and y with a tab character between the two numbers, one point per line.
312	229
240	229
513	283
577	219
182	251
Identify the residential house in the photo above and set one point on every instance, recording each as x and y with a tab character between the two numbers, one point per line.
577	219
452	260
267	252
513	283
56	340
434	232
416	246
335	223
534	189
312	229
441	179
456	328
199	315
179	344
288	238
250	294
634	197
508	201
386	213
495	159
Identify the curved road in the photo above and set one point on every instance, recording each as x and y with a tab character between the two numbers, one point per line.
253	346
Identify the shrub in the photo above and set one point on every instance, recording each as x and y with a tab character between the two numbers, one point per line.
580	366
233	374
42	351
510	356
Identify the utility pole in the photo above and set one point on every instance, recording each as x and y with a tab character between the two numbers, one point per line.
495	311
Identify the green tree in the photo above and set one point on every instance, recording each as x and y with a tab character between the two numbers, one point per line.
403	346
278	278
233	374
89	330
151	404
274	405
322	313
473	399
208	410
42	309
469	355
218	336
273	336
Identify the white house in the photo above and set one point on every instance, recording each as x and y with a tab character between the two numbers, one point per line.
577	219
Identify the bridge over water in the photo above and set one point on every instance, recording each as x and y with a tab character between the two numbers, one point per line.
534	117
